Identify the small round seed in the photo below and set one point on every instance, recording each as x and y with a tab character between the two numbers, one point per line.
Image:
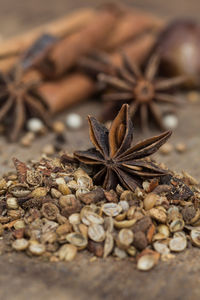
111	209
74	121
178	244
19	224
176	225
108	244
147	262
12	203
50	211
67	252
161	248
158	214
96	233
125	238
195	237
120	253
20	244
77	239
35	125
150	201
36	248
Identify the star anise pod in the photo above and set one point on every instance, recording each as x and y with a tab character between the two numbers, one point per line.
142	90
116	161
19	101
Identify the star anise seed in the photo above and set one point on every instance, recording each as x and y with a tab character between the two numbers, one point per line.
19	101
115	159
143	91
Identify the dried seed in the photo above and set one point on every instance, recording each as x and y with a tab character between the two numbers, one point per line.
94	196
96	233
111	196
111	209
12	203
83	229
150	201
140	240
108	244
20	244
166	149
50	211
109	224
49	237
132	251
147	261
39	192
161	248
124	204
158	214
188	213
121	217
77	239
75	219
125	223
64	229
19	224
35	125
195	237
177	225
74	121
67	252
120	253
64	189
55	193
36	248
164	230
125	238
33	177
19	190
85	182
1	229
178	244
180	147
95	248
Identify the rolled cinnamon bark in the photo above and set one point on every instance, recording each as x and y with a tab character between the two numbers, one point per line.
67	91
64	55
61	27
130	26
78	87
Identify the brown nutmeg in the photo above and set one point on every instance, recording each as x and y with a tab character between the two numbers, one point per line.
179	49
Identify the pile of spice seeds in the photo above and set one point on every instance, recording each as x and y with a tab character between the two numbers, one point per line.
53	210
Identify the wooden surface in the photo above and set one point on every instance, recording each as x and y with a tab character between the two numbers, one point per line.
22	278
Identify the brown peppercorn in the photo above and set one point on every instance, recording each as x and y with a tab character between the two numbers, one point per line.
111	196
50	211
96	248
188	213
140	240
142	225
94	196
69	205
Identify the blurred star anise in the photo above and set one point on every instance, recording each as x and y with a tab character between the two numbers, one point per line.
20	101
114	157
141	90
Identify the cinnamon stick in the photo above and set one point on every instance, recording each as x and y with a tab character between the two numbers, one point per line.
65	54
130	26
78	87
61	27
67	91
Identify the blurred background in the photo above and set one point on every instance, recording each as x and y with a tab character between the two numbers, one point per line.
21	15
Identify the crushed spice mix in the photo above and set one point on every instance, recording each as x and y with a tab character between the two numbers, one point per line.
53	209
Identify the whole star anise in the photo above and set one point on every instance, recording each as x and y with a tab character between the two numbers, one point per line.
19	101
115	159
141	90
